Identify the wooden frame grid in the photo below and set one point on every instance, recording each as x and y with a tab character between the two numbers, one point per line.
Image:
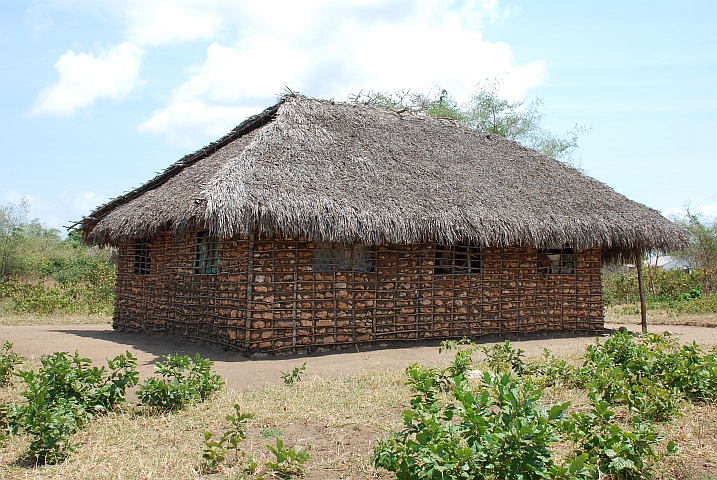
267	296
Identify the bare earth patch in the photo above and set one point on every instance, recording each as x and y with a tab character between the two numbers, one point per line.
344	403
53	319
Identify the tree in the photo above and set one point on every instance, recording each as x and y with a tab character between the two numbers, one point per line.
485	111
701	254
13	219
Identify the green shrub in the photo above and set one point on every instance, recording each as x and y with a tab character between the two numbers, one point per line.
499	428
503	357
74	298
215	452
671	290
655	364
499	431
9	359
289	462
62	396
611	450
293	376
183	380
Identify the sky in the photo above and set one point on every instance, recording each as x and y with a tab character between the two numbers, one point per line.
97	96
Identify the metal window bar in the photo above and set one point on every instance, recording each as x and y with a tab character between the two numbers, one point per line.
142	259
330	257
457	259
206	254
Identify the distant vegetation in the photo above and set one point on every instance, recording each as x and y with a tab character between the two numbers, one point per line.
40	272
674	291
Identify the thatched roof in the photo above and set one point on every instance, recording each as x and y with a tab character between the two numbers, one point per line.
343	172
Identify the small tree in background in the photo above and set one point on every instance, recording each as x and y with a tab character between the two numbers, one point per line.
701	255
13	219
487	112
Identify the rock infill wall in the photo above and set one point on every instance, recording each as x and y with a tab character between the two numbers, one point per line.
267	297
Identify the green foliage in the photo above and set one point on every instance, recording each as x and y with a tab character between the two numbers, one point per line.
671	290
183	380
215	452
97	298
498	431
611	450
649	373
294	376
42	273
485	111
289	462
9	359
62	396
13	218
499	428
660	286
701	254
503	357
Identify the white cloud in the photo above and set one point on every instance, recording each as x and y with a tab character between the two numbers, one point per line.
328	49
85	77
163	23
706	211
324	48
183	121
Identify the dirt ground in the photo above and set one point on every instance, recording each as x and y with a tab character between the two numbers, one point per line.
313	414
99	342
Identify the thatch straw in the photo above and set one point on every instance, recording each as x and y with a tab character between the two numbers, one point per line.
343	172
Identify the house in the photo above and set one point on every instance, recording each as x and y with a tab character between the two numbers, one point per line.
318	224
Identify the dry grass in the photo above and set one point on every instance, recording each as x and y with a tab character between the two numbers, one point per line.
338	420
660	317
53	319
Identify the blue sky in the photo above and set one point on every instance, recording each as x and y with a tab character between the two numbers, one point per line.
97	96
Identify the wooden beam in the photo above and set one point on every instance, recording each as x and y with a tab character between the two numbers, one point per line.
641	286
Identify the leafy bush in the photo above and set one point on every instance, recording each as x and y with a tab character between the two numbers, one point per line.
671	290
645	371
183	380
500	431
74	298
64	394
9	359
293	376
215	451
289	462
42	273
503	357
611	450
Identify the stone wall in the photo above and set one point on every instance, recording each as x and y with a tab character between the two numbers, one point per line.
266	296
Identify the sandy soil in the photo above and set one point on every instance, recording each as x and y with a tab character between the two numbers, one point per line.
99	342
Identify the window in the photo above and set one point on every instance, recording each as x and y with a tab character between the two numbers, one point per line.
457	259
340	256
142	259
206	254
561	261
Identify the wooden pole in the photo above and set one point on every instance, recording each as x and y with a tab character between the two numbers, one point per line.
641	285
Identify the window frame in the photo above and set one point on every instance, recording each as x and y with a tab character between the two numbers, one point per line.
365	262
448	256
563	261
206	254
142	253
